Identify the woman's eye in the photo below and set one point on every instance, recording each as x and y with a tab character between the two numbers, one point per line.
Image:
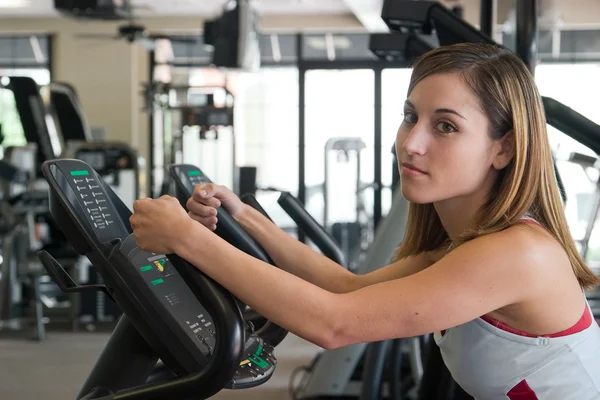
410	117
445	127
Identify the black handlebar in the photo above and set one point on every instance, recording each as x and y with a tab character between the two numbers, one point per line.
230	230
573	124
315	231
249	199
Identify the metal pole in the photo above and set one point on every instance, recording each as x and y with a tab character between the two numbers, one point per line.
301	129
487	17
527	32
126	361
150	165
377	148
372	377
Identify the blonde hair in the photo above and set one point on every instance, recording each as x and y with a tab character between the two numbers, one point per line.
509	97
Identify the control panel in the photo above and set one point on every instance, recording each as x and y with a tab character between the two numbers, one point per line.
257	365
174	294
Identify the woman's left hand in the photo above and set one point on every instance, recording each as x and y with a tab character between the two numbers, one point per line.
158	224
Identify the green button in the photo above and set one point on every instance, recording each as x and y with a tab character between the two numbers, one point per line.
157	281
146	268
258	351
82	172
193	173
259	361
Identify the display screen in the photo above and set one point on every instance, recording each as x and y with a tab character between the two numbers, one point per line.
94	159
196	177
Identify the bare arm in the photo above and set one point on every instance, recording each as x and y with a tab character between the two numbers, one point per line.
294	256
299	259
399	269
476	278
288	253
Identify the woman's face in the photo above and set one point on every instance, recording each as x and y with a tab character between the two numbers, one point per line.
443	144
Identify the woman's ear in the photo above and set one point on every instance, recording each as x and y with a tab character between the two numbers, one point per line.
505	151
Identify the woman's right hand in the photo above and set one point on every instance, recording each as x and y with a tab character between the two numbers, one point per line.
205	200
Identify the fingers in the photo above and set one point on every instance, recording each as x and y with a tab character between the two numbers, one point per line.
209	222
138	205
201	209
209	194
170	199
204	190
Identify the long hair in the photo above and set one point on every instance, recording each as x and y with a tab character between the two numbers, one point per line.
507	94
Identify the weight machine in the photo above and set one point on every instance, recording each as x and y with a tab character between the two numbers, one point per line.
191	125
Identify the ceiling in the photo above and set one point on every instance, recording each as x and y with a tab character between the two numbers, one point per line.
368	12
185	7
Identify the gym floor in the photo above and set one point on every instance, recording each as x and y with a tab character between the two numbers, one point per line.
56	369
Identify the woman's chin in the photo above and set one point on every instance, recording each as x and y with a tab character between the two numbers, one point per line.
414	196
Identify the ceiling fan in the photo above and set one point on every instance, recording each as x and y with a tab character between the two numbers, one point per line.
135	33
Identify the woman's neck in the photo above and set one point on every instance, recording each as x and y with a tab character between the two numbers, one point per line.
459	214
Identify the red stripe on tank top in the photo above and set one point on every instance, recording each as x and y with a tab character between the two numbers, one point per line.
522	391
584	322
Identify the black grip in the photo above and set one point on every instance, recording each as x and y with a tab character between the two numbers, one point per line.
227	227
250	199
230	230
320	237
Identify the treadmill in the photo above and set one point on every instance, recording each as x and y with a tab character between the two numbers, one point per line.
172	312
38	124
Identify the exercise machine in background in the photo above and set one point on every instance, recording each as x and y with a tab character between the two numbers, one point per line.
191	125
45	114
21	311
344	199
117	162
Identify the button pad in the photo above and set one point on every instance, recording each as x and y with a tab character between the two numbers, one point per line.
257	367
94	201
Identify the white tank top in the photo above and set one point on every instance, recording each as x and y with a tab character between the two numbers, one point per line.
492	362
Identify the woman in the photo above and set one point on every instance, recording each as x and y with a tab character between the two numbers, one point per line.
487	263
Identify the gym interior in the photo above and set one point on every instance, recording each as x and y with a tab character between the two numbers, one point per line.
142	98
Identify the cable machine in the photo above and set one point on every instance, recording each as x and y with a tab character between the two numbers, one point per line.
192	125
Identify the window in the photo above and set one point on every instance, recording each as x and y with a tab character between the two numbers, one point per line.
10	122
394	90
20	56
339	105
575	85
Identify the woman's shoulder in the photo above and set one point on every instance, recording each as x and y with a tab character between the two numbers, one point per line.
524	247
